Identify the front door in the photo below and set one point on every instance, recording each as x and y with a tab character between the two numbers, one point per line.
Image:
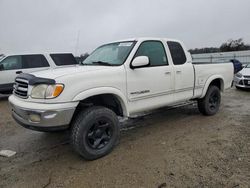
152	86
10	67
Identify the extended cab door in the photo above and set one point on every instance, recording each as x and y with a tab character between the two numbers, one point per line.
183	72
11	66
151	86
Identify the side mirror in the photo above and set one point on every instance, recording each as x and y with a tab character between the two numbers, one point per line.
140	61
1	67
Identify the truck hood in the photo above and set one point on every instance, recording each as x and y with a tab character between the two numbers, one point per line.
63	71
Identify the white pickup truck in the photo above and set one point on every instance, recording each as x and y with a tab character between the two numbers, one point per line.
122	78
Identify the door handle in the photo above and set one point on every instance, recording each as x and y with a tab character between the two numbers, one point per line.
19	72
178	72
167	73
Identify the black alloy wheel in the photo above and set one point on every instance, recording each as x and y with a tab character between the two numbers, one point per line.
99	134
214	100
210	103
95	132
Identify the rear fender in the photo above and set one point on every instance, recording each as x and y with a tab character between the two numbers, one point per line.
209	81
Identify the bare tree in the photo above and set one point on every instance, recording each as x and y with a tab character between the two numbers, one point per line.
234	45
230	45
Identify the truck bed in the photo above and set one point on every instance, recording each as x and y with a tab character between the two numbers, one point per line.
204	72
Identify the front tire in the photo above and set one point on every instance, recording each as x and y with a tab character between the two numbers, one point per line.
95	132
210	104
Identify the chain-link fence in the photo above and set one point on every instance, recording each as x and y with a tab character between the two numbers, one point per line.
242	56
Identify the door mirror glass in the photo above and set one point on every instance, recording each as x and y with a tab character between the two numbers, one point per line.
140	61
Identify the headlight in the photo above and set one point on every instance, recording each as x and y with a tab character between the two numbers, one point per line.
239	75
44	91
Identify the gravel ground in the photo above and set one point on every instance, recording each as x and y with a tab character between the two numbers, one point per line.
168	148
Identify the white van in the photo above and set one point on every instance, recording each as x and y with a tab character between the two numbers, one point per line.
13	65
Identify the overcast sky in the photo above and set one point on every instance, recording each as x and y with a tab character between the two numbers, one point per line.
54	25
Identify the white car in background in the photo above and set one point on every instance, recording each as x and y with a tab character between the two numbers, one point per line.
242	78
13	65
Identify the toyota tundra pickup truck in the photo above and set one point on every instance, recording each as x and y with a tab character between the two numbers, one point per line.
121	78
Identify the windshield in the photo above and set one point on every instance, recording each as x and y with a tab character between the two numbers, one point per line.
247	66
110	54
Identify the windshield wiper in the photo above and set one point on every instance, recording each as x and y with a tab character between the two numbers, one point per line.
102	63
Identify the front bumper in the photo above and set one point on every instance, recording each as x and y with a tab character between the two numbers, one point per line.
242	82
40	116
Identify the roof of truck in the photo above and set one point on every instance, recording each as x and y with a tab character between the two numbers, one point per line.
146	38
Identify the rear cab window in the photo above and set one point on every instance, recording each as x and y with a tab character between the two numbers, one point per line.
63	59
177	53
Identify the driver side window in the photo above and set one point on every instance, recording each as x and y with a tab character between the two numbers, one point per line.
155	51
11	63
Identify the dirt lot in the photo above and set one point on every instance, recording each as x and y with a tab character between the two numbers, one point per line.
170	148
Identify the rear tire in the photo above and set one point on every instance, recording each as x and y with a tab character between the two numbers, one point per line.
210	104
95	132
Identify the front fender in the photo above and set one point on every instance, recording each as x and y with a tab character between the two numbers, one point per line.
209	81
104	90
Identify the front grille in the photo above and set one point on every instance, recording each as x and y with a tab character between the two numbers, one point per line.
21	88
246	76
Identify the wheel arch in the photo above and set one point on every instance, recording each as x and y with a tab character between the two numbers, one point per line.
105	96
216	80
